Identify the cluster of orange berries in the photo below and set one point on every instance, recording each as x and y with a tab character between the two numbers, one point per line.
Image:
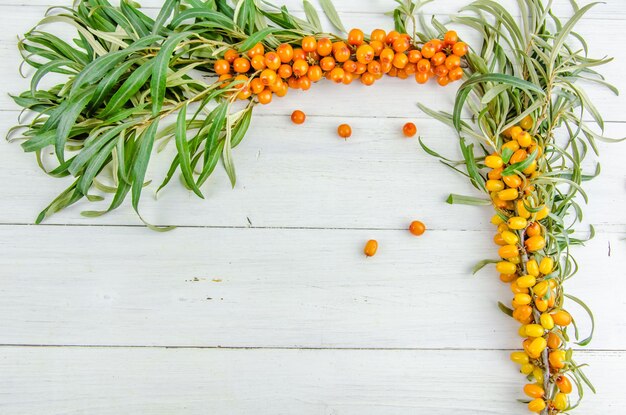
264	74
532	279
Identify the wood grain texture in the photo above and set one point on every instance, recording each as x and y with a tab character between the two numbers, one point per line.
262	302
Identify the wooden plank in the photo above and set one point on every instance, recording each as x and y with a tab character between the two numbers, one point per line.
305	176
275	288
97	381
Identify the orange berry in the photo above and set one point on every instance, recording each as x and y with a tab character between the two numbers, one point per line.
371	247
285	52
336	75
298	117
428	50
423	66
327	64
324	47
441	70
361	68
268	77
392	37
241	65
557	359
256	86
400	60
272	60
314	73
347	78
300	67
365	54
374	68
386	67
438	59
378	35
421	77
564	384
402	74
410	68
410	130
554	341
356	37
401	44
231	55
438	44
377	46
309	44
265	97
344	131
387	55
285	71
562	318
258	62
368	79
221	67
455	74
443	80
534	391
298	54
460	49
417	228
258	49
453	62
450	38
224	79
349	66
304	83
415	56
293	83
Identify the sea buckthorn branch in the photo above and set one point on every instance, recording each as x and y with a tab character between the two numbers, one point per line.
527	114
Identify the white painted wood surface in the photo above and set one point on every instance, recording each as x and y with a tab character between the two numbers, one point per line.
281	314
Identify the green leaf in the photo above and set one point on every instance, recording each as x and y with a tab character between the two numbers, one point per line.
506	310
482	264
164	14
140	163
331	13
578	301
455	199
128	89
159	71
520	166
182	146
252	40
312	16
68	118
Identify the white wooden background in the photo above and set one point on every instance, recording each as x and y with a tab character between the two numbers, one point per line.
261	302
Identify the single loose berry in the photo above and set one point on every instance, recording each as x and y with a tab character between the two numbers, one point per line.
417	228
344	131
298	117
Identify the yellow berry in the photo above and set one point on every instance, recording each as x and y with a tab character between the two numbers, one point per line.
508	194
494	162
560	402
537	405
517	223
494	185
526	281
532	267
520	358
505	267
547	321
546	266
534	330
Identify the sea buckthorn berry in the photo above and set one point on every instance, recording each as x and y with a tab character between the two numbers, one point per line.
258	62
314	73
493	161
527	368
256	86
387	55
547	321
347	78
510	237
361	68
522	313
285	71
324	47
231	55
410	69
533	391
511	145
522	299
349	66
527	123
400	60
378	35
562	318
517	223
497	220
441	71
450	38
245	93
546	266
515	131
452	62
272	61
508	277
298	53
225	80
241	65
508	194
328	64
409	130
365	54
355	37
557	359
414	56
537	346
538	375
513	180
293	83
421	77
285	52
554	341
494	185
508	251
344	131
268	77
371	247
460	49
495	174
277	86
282	91
374	68
221	67
536	405
438	59
535	243
438	44
543	213
541	288
533	229
519	357
534	330
521	210
560	402
524	139
503	227
298	117
423	65
564	384
265	96
515	260
258	49
300	67
532	268
304	83
401	45
336	75
377	46
505	267
428	50
455	74
309	44
391	37
342	53
526	281
368	79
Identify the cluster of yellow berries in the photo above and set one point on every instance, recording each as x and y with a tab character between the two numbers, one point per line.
528	270
264	73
